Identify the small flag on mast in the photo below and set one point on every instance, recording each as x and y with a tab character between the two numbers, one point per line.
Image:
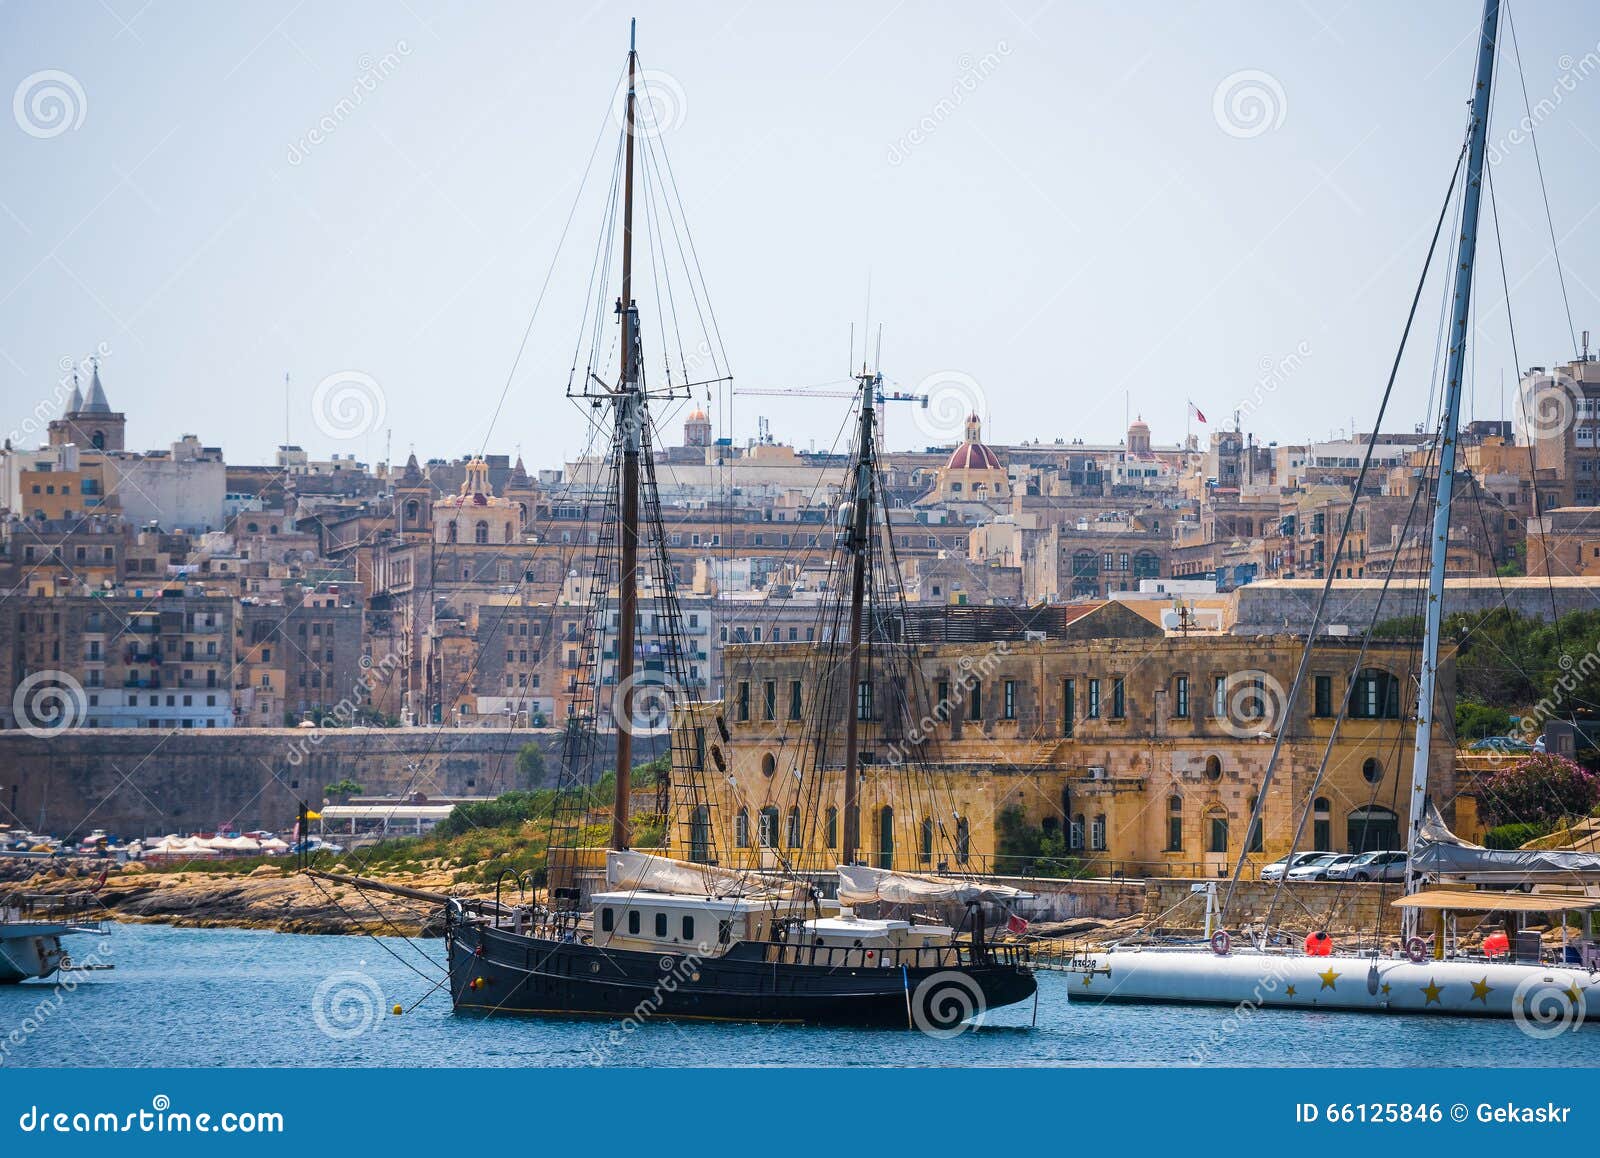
1197	411
1016	926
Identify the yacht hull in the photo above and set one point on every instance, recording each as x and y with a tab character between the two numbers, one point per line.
30	951
496	971
1458	988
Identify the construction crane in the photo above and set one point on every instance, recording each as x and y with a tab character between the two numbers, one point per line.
880	396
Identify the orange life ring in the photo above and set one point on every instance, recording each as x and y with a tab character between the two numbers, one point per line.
1221	942
1417	950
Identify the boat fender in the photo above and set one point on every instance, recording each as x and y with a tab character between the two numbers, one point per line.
1318	944
1221	942
1373	980
1417	950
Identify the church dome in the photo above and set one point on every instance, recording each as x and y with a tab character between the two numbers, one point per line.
973	456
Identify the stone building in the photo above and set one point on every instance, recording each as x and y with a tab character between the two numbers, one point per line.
1141	753
162	662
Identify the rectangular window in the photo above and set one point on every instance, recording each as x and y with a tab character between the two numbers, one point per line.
688	928
724	932
794	699
700	748
769	700
1219	834
1094	699
633	921
1324	696
864	700
1219	697
977	700
1069	690
1180	697
1011	700
608	920
1175	834
744	701
1119	703
661	926
1097	833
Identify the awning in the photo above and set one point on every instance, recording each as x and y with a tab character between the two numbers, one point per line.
1487	902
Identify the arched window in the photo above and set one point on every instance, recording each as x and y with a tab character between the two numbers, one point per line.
98	438
741	829
480	533
450	532
413	511
1253	840
769	826
1375	695
1372	829
927	840
963	840
1371	770
252	528
831	828
792	833
1321	826
886	837
1097	833
1174	823
1213	768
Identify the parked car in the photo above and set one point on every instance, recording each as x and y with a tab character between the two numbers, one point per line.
1276	869
1371	866
1501	744
1316	869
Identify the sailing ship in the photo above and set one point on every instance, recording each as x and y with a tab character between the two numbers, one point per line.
692	938
1420	977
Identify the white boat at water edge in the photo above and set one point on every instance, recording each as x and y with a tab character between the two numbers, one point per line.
31	929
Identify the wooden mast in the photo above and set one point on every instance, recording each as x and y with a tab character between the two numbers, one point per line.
630	419
859	541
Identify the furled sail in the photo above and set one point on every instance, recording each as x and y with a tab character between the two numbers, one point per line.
861	885
1438	850
659	874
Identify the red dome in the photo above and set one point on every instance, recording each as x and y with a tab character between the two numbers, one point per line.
973	456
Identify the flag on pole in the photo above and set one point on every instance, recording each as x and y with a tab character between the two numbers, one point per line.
1016	926
1197	412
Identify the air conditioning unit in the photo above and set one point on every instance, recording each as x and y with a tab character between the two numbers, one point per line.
1097	772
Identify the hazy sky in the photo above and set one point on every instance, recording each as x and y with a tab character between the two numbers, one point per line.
1063	209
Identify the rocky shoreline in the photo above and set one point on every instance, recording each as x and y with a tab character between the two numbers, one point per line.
268	897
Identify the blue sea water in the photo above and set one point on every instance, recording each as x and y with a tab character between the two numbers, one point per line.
206	998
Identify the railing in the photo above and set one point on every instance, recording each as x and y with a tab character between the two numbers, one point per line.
47	906
919	957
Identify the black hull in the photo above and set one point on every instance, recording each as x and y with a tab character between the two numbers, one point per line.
495	971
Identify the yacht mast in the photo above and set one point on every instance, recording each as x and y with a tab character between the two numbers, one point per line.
858	543
1449	422
630	417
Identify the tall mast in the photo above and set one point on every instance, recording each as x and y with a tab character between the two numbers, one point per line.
630	425
1450	421
859	544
